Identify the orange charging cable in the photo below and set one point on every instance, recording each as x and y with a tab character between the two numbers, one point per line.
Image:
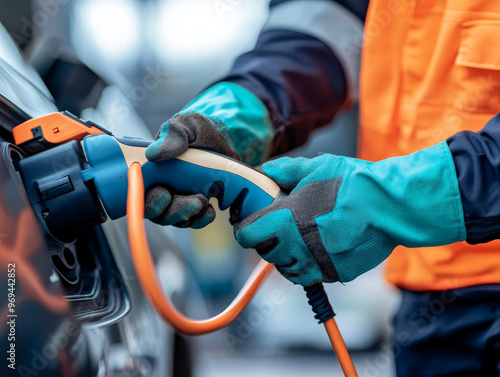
146	272
340	349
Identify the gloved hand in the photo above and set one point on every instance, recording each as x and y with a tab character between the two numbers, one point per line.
344	216
226	118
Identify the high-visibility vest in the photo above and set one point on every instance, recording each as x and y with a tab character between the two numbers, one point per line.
429	69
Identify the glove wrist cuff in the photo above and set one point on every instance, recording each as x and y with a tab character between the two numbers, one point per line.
240	117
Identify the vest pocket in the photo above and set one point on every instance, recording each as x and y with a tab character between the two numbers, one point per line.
480	45
477	67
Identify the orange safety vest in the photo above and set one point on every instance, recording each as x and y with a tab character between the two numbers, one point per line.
429	69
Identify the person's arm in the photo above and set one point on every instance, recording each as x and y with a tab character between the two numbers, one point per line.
302	70
344	216
305	65
477	161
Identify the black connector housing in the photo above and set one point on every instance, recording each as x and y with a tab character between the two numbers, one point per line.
57	191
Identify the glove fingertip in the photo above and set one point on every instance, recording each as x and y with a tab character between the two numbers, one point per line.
165	149
172	141
285	171
153	150
207	218
156	202
244	236
272	167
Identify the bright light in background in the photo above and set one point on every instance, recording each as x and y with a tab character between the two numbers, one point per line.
190	29
110	28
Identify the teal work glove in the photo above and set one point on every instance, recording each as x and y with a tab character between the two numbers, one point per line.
226	118
344	216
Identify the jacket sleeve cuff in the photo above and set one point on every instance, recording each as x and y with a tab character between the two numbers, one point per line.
476	156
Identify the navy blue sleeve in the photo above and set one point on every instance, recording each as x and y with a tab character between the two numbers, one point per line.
299	79
477	162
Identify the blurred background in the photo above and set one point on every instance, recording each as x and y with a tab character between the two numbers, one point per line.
137	62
